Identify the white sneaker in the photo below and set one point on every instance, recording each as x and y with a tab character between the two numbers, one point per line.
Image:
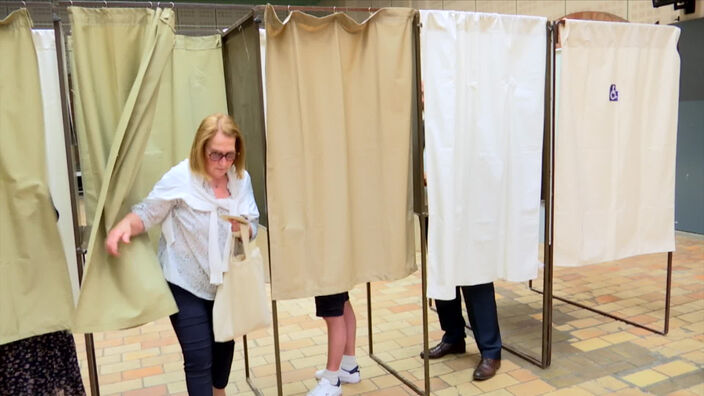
325	388
346	377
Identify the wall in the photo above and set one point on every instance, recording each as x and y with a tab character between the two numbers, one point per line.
207	21
689	184
633	10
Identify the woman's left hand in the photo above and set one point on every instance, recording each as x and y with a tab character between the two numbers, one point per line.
236	226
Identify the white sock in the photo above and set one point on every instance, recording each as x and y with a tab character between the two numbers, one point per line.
348	362
331	376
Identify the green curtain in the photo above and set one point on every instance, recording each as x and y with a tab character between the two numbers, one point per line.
192	87
245	102
119	57
35	290
243	79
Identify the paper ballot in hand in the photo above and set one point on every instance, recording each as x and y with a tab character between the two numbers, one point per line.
239	219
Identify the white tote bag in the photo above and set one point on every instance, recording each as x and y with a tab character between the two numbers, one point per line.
241	303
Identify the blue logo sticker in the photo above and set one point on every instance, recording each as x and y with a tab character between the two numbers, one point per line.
613	93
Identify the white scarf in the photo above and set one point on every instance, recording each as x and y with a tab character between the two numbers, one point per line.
180	183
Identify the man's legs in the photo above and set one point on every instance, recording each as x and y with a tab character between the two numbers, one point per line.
483	318
452	323
451	319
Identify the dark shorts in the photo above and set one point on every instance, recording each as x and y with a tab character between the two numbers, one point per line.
331	305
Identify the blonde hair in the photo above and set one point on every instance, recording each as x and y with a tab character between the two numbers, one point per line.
208	128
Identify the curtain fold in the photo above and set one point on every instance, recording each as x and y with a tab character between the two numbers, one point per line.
119	57
35	290
484	81
615	141
339	97
57	169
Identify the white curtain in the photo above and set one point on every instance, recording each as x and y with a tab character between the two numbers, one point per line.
57	170
615	144
484	81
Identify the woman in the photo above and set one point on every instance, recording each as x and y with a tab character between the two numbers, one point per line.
189	202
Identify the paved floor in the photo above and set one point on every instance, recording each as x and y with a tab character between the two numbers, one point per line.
591	354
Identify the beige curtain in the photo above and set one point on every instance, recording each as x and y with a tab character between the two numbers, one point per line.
339	150
35	290
119	57
615	141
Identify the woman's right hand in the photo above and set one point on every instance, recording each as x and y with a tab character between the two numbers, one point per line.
122	232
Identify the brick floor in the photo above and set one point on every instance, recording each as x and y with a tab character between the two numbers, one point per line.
592	354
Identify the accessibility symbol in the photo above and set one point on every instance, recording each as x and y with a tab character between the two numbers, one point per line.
613	93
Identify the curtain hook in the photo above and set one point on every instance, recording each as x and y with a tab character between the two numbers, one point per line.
172	5
24	4
289	8
334	9
158	3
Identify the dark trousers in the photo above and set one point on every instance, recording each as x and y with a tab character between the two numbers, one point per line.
207	363
481	309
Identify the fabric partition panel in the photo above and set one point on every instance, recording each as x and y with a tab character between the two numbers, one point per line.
57	168
35	289
116	46
615	141
243	81
243	50
484	82
192	87
339	97
115	112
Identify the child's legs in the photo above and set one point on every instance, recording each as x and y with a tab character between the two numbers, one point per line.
336	341
333	309
351	329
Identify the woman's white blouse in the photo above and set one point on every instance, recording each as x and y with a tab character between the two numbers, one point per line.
185	262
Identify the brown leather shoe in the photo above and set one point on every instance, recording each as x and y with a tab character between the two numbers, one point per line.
443	348
486	369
